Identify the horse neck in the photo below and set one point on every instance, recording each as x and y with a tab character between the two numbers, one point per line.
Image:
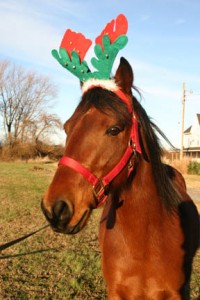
140	198
134	207
143	187
142	194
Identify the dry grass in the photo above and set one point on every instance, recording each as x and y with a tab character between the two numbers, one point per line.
192	181
180	165
47	266
198	206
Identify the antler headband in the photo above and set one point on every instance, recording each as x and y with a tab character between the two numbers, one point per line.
112	39
74	47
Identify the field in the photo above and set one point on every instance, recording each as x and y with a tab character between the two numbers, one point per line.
49	266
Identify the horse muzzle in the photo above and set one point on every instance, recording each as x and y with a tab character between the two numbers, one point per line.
59	218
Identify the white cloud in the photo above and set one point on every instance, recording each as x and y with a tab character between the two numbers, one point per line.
180	21
25	36
28	31
162	76
144	18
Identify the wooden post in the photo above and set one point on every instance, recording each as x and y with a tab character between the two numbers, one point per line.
183	121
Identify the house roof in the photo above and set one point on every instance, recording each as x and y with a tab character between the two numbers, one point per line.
198	117
191	149
188	130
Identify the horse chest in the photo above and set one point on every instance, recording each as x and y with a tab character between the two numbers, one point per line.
140	263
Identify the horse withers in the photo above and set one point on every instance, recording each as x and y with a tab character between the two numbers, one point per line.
149	228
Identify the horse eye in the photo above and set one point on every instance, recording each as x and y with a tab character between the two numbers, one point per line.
114	130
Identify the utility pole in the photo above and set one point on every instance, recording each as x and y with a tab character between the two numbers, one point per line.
183	120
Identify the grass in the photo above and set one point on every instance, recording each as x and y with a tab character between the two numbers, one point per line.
48	266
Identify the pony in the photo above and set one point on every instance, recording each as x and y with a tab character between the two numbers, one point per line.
149	229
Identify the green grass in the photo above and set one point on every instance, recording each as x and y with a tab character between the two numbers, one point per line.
48	266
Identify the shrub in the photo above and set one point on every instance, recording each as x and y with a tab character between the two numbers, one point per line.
194	168
27	151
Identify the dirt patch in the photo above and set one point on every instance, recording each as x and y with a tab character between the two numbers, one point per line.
193	188
36	169
192	181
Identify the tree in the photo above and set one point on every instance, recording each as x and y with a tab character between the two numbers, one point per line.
25	98
37	131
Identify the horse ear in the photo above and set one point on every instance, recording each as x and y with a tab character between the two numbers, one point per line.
124	76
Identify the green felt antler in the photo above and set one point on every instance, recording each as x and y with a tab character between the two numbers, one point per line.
73	64
106	56
74	47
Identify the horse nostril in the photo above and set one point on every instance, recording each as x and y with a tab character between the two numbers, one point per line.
47	214
62	211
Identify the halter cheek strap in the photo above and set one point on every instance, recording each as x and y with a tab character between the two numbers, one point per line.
91	178
99	185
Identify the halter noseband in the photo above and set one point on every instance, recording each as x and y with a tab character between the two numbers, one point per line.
100	185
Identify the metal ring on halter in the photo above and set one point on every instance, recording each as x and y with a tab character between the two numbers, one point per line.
98	189
132	145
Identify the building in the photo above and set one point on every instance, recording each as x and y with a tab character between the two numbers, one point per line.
192	140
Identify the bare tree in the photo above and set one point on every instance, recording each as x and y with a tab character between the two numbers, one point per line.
24	100
38	131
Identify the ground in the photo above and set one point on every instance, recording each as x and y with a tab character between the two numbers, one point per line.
51	266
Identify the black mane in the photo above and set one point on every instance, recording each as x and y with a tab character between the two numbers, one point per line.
168	194
106	101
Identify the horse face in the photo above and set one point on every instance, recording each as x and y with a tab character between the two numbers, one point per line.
96	140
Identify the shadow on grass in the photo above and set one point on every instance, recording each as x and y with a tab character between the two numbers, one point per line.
30	253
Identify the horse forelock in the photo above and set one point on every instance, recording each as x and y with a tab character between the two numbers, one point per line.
107	102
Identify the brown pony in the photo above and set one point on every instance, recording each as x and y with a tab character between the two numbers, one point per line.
149	229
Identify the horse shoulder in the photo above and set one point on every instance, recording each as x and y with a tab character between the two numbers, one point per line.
189	218
176	177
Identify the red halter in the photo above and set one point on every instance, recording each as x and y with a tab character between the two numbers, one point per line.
100	185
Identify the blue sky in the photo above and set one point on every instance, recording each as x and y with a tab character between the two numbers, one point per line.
163	49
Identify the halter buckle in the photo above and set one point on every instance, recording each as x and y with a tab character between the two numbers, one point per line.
99	192
132	145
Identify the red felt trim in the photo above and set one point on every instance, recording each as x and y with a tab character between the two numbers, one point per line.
114	29
73	41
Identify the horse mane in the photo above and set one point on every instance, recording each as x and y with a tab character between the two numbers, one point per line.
107	101
166	190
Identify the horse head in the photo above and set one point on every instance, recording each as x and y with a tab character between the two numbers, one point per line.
98	143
